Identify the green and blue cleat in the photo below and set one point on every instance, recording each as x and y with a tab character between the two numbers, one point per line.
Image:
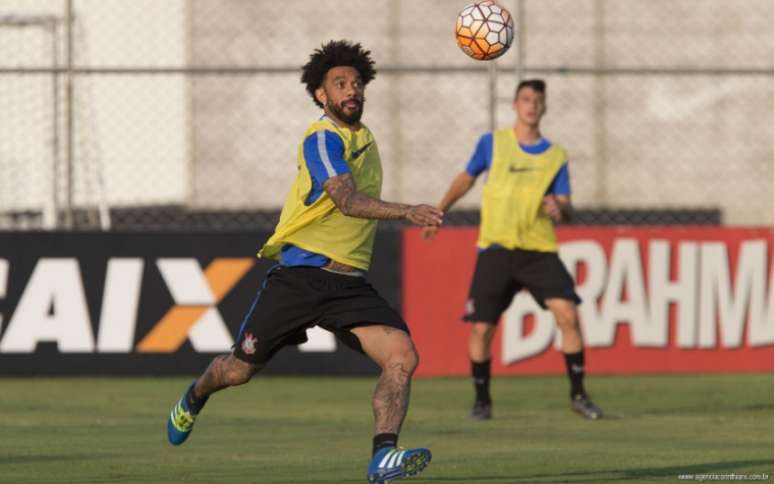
181	421
393	463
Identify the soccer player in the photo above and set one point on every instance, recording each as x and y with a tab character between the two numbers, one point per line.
527	189
323	243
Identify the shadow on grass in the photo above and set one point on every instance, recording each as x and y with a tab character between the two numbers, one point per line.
615	475
711	411
760	407
31	459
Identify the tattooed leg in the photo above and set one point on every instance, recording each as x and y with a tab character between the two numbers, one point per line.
224	371
394	352
391	398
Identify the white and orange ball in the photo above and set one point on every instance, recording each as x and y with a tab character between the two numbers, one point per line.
484	30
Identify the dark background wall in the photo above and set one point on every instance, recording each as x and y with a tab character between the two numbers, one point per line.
93	251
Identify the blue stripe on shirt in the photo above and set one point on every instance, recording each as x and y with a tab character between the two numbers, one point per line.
324	156
295	256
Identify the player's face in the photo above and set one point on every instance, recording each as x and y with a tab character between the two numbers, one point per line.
343	94
530	106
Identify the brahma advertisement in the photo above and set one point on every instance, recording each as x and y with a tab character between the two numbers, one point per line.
656	300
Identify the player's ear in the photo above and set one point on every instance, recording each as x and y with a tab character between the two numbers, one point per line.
320	95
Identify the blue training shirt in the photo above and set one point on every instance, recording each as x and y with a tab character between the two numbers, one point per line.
324	156
481	161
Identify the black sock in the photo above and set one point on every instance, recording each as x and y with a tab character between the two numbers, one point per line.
575	372
194	403
384	440
481	375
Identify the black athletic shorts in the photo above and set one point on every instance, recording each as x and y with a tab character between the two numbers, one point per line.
294	299
501	273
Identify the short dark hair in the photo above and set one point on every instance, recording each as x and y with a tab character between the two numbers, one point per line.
334	54
537	85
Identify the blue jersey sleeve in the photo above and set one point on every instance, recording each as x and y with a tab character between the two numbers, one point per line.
482	156
324	155
561	183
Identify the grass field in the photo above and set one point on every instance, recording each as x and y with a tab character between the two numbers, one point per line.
318	430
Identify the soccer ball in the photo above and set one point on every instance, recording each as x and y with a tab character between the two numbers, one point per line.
484	30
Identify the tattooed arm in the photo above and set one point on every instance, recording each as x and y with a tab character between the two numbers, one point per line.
353	203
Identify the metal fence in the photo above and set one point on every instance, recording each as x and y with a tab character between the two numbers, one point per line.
187	114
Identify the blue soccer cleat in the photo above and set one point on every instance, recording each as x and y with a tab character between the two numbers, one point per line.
393	463
180	422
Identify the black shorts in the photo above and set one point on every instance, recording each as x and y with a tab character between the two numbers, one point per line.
294	299
501	273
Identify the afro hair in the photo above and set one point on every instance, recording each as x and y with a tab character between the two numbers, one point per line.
334	54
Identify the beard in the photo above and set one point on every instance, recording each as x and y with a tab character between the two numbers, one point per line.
339	112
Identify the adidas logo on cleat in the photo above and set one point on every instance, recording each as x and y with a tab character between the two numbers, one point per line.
394	463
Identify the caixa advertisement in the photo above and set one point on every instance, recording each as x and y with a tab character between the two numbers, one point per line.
656	300
110	303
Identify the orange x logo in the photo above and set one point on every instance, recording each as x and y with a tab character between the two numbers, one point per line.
196	295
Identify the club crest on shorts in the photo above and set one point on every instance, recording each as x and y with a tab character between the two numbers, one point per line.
248	345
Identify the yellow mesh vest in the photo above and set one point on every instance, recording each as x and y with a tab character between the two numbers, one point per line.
511	207
321	227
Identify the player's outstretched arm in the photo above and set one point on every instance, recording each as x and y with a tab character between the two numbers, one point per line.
461	185
353	203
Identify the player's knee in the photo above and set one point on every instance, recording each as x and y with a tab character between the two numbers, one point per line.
568	325
406	360
482	331
412	359
237	376
236	372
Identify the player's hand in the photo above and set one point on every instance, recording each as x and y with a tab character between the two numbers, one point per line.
551	208
424	215
429	232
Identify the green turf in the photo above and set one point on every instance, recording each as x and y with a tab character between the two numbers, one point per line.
318	430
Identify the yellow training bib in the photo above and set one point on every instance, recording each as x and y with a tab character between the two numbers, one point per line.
320	227
511	207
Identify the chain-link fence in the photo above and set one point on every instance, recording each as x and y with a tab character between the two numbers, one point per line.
187	114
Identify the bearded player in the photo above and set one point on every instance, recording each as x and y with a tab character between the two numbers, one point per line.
323	244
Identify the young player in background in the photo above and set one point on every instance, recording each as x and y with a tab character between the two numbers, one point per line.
527	189
323	242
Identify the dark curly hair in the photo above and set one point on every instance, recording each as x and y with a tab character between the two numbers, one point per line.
333	54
